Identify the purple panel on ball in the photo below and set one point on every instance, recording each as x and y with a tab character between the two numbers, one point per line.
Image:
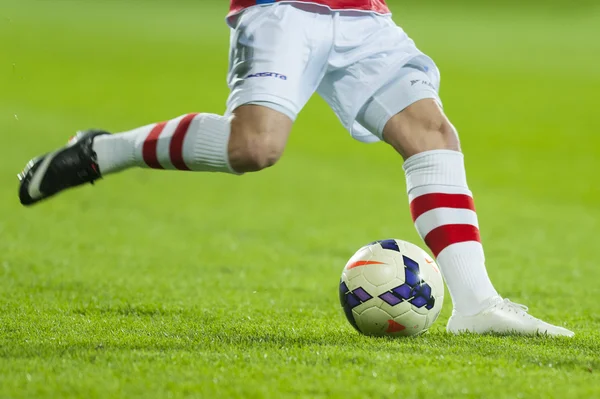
403	291
362	294
390	299
419	301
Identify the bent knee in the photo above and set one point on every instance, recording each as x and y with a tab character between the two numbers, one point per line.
254	152
421	127
437	133
258	138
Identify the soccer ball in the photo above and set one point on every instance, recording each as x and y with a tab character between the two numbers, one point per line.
391	288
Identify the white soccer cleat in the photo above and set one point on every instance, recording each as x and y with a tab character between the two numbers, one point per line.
503	317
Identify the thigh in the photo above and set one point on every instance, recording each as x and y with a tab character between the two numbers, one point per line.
410	85
278	56
376	52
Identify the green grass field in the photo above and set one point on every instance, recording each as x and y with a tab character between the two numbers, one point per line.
166	284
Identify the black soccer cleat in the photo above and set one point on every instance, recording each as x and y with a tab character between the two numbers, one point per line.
71	166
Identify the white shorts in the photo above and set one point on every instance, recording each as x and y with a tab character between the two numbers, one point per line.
282	54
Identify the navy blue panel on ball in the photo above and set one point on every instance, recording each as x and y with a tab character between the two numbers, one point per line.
411	278
389	244
352	300
411	264
343	291
344	294
425	290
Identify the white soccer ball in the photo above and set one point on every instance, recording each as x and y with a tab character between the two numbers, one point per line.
391	288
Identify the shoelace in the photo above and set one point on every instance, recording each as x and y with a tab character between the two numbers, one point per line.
515	307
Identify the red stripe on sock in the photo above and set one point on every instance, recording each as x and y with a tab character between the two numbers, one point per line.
176	147
441	237
150	144
427	202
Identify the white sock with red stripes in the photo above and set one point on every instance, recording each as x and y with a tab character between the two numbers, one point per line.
444	214
195	142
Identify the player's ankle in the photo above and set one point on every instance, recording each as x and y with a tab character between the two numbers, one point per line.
114	152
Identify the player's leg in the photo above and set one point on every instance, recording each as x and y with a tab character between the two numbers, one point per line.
442	205
258	144
251	136
249	140
391	93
